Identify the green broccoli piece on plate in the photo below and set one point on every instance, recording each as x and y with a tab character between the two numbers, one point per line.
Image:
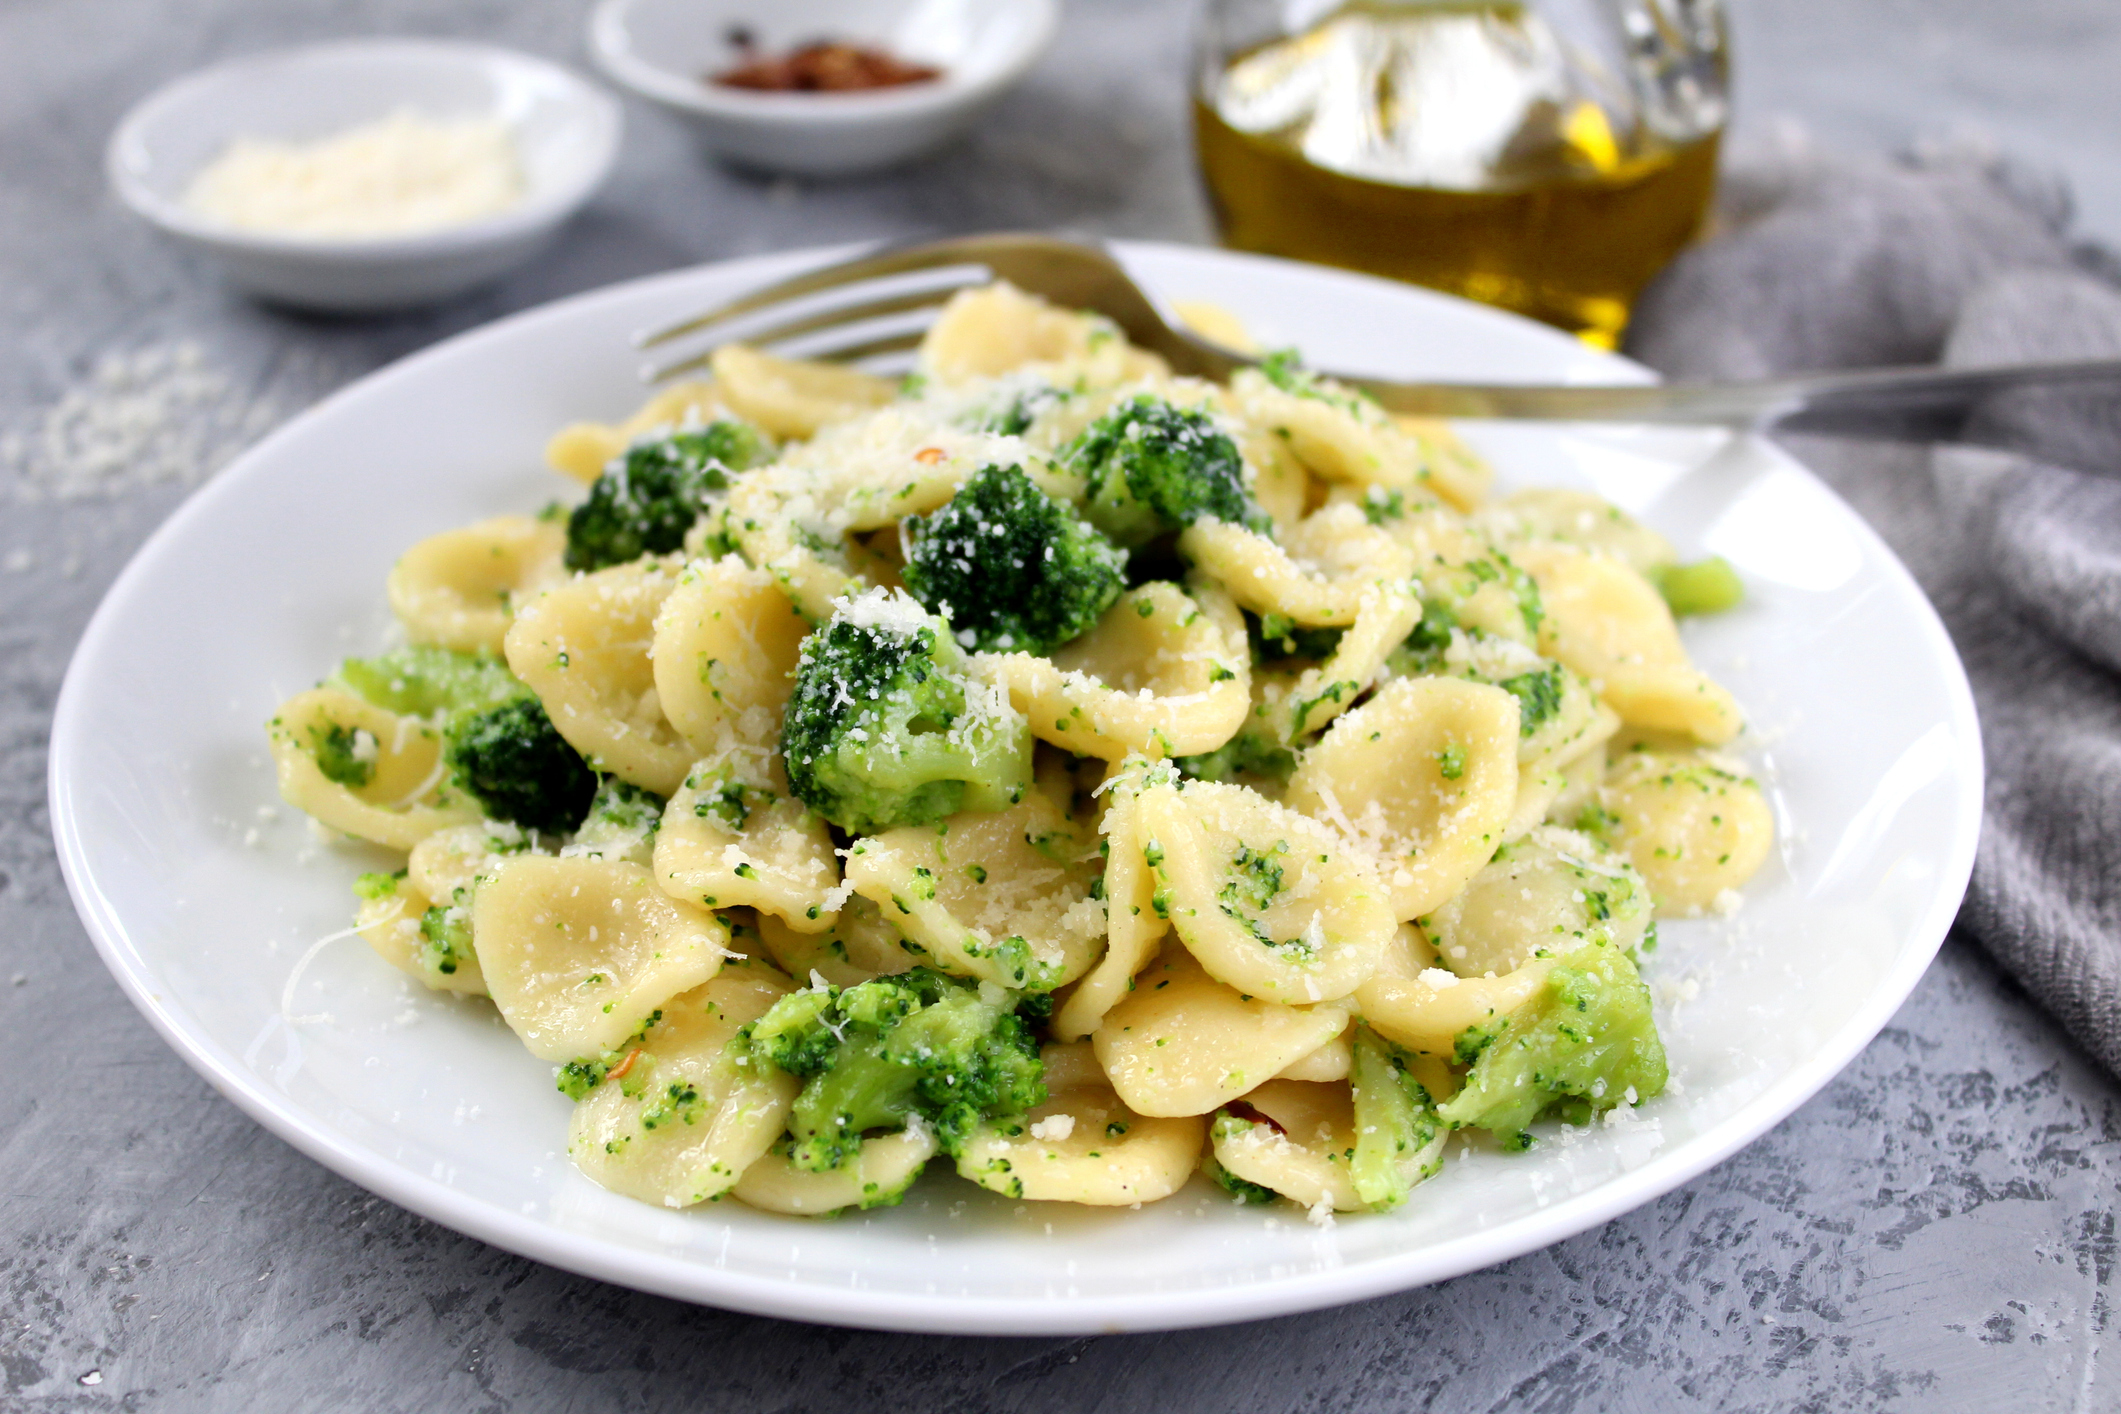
1011	568
501	747
655	490
1153	468
918	1047
886	727
1585	1043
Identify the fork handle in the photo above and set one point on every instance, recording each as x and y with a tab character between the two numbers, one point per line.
2068	412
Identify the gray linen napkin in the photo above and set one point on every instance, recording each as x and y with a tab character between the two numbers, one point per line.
1828	264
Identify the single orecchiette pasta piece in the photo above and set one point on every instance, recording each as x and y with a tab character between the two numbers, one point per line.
786	537
734	836
1270	901
1456	472
1457	567
583	648
678	1118
875	470
1162	674
1298	1139
1429	1012
1697	830
878	1175
1327	587
1329	1062
858	946
583	449
1610	624
1552	891
451	861
459	589
725	649
1084	1145
999	329
393	786
1388	613
579	953
1578	518
1003	896
1343	436
1182	1043
790	398
1133	926
1422	778
1581	780
391	923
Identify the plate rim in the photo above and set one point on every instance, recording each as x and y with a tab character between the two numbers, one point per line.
687	1280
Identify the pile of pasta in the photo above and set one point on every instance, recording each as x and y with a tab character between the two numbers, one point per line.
1444	831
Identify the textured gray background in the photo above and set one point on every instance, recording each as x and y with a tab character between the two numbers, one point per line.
1935	1231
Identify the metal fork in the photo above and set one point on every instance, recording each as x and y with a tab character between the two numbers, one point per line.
2067	412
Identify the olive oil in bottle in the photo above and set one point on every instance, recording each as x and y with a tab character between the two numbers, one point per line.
1462	146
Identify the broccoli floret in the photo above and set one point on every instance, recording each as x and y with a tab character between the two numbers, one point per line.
621	823
1422	650
1538	695
445	939
1152	468
1244	1190
1585	1043
1398	1139
377	885
1011	568
501	748
650	496
423	681
346	755
1275	637
515	763
1015	409
885	727
919	1046
1705	587
1248	755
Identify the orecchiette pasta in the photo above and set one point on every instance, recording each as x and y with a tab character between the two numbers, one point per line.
679	1119
459	589
393	788
1608	623
734	837
1162	674
583	449
1005	897
1182	1043
792	399
1083	775
584	649
1423	779
581	953
1265	898
1696	829
724	652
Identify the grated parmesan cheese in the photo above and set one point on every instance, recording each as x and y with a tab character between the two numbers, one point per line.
402	175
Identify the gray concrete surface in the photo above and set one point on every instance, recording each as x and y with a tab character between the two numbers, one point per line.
1934	1232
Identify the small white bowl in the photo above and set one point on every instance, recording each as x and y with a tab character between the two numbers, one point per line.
566	134
665	49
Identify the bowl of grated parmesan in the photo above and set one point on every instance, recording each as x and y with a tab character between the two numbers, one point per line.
369	174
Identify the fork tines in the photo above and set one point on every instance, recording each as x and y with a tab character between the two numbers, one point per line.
820	315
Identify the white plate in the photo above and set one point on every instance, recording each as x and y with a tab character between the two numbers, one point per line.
1866	738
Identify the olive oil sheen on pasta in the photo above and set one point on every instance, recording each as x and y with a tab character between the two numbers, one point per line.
1454	146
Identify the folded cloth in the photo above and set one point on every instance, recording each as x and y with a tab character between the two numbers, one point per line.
1824	265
